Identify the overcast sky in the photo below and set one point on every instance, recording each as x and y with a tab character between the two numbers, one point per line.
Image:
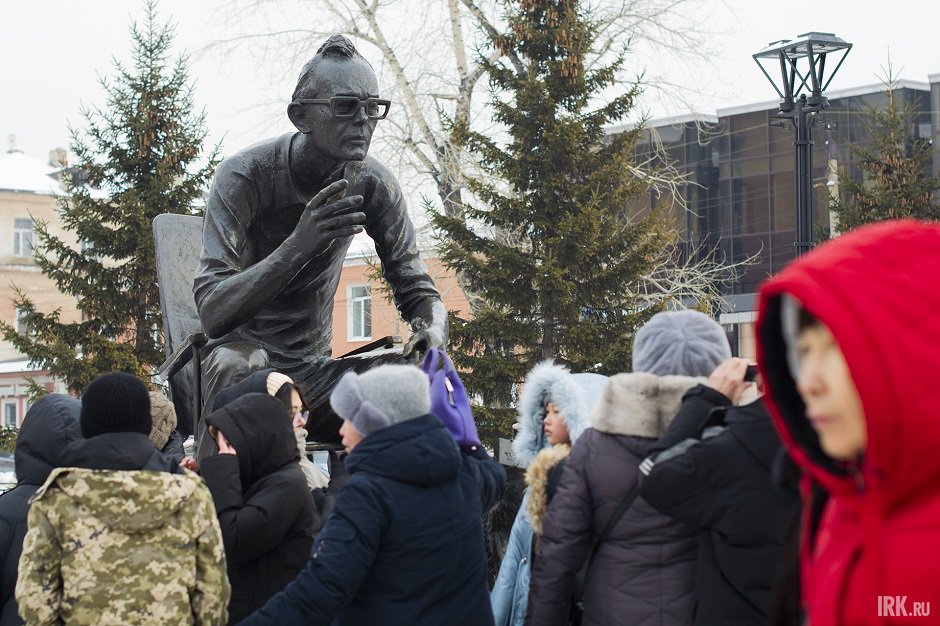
52	51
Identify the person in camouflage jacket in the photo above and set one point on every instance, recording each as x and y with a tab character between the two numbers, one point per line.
121	540
120	548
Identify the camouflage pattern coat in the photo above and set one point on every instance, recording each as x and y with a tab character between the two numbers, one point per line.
108	547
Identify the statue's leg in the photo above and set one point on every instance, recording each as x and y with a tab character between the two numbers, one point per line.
318	380
224	366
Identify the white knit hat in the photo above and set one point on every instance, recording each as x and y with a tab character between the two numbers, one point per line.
275	381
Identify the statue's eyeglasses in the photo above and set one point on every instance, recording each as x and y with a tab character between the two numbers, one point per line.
348	106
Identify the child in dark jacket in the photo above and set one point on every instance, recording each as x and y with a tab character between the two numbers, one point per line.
404	544
643	573
712	471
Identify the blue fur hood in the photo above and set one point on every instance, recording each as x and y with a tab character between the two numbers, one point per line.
574	394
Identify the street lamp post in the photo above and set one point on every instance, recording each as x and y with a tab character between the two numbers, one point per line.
801	99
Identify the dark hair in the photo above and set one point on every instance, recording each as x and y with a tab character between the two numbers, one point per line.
336	47
806	320
283	394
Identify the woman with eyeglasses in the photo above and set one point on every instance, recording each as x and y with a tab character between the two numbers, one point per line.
289	394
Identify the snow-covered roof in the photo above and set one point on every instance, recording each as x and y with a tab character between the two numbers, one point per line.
15	367
361	247
850	92
22	173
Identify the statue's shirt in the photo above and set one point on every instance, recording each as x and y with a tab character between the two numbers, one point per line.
254	204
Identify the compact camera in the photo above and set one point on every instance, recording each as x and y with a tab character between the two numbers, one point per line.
751	374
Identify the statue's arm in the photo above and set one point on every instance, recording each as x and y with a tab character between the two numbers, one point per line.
227	293
229	289
416	297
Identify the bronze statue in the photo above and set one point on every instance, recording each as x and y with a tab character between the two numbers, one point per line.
281	215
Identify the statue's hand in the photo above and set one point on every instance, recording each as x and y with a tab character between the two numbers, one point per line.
328	216
429	325
431	337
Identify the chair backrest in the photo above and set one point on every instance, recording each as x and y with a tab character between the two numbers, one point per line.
177	241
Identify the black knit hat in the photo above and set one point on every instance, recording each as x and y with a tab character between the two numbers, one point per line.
115	403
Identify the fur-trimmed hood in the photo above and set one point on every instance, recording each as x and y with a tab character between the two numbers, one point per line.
640	404
574	394
537	478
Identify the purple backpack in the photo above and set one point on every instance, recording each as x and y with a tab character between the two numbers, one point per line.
449	399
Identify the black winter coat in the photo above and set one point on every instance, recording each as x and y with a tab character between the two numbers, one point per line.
118	451
715	476
173	450
266	512
49	426
404	544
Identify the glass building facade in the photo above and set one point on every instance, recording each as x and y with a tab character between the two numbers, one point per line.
741	195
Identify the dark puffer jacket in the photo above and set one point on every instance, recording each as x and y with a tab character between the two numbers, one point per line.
49	426
266	513
404	544
643	574
714	474
118	451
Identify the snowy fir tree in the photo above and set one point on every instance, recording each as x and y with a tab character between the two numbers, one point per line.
549	249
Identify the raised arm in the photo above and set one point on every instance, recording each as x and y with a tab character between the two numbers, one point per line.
249	527
227	293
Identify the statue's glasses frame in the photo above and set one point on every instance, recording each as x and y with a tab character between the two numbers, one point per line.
348	106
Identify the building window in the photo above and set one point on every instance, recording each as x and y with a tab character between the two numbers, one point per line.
9	413
360	312
21	326
88	250
22	237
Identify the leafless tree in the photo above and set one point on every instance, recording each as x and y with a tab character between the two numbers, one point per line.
691	276
432	52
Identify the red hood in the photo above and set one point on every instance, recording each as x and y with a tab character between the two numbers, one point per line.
877	290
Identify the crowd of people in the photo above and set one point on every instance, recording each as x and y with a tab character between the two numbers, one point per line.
688	491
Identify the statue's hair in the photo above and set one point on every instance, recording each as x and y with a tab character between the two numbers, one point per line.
336	47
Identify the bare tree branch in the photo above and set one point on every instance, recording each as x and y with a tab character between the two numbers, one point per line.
492	32
687	277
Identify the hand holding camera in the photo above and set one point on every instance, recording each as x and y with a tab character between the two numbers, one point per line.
732	378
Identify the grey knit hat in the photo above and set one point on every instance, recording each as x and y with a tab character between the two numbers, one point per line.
162	418
684	343
380	397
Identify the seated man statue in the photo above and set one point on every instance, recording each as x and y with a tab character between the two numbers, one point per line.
279	219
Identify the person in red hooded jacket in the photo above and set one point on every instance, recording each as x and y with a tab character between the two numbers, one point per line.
848	344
